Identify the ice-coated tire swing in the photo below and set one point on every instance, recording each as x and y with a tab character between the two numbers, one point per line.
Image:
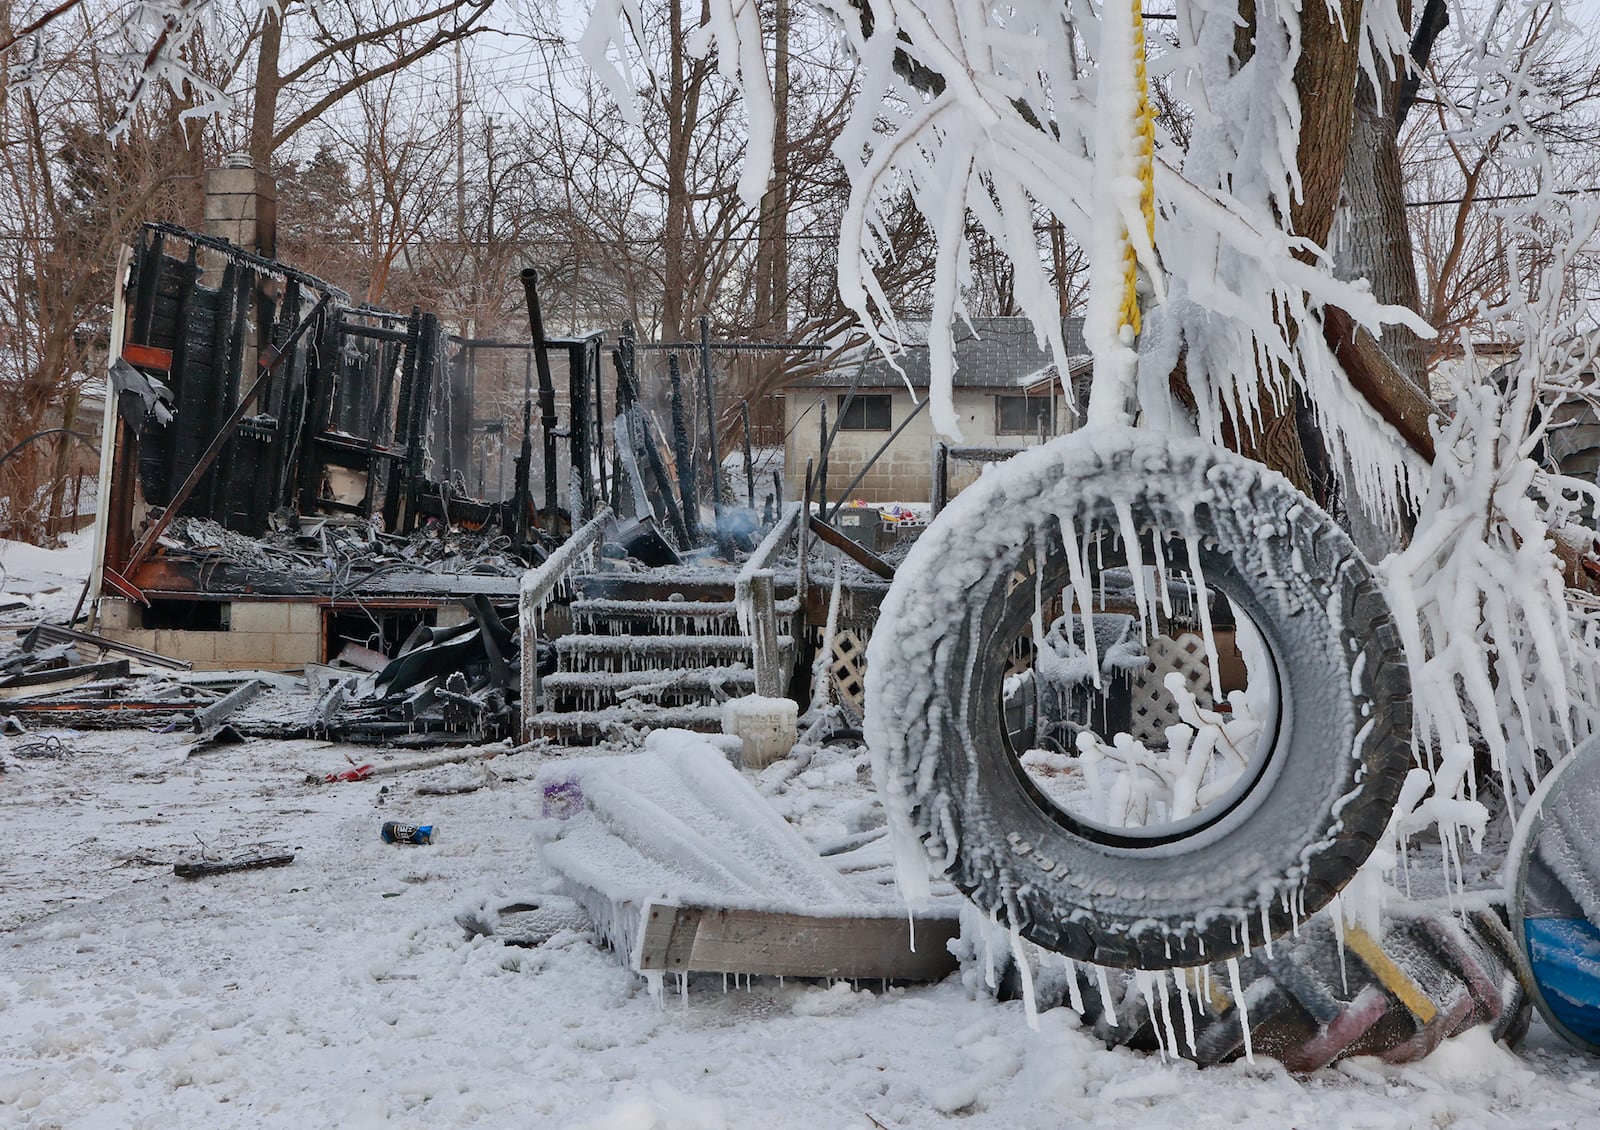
1290	832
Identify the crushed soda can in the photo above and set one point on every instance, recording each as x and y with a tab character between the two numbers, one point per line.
394	832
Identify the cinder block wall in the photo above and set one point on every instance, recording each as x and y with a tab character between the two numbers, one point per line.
904	473
264	636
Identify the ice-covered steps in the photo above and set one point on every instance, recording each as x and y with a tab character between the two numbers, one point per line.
595	690
644	651
655	617
586	727
662	617
656	653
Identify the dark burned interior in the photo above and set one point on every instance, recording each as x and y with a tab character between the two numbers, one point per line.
301	483
370	419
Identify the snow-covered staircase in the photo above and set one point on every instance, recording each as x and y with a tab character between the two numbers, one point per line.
650	653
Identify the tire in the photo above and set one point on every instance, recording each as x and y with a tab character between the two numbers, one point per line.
1430	974
1293	834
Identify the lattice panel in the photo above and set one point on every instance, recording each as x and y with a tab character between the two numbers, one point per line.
847	667
1154	708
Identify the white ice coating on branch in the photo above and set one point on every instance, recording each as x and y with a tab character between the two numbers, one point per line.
156	32
971	151
613	23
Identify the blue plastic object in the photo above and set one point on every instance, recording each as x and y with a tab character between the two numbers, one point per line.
1565	955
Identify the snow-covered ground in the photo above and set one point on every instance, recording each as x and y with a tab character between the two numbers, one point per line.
40	583
340	991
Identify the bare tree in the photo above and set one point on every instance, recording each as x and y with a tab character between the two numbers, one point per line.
1480	214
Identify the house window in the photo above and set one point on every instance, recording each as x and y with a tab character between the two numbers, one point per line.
1022	416
864	413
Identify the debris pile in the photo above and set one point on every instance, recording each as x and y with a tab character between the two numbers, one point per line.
447	684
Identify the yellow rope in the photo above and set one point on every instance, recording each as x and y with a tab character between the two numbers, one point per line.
1145	146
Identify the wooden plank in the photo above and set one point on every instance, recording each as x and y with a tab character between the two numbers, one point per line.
860	554
202	868
764	647
51	681
213	716
147	356
683	939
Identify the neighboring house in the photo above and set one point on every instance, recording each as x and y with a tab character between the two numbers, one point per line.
1007	394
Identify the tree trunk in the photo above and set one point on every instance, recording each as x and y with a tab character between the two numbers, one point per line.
1373	239
264	107
682	104
1325	80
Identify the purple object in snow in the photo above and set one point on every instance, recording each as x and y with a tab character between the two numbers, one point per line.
562	799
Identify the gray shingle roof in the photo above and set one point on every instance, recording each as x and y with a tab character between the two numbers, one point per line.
997	353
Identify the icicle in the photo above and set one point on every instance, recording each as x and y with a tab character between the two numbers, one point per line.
1337	910
1135	553
990	977
1266	926
654	980
1077	555
724	984
1188	1013
1166	1012
1203	607
1163	588
1104	985
1074	992
1030	1003
1141	978
1238	1003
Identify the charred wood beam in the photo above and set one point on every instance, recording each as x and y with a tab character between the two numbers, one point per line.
592	367
680	448
261	263
1435	18
858	553
321	383
547	391
581	440
711	419
375	333
149	275
749	463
